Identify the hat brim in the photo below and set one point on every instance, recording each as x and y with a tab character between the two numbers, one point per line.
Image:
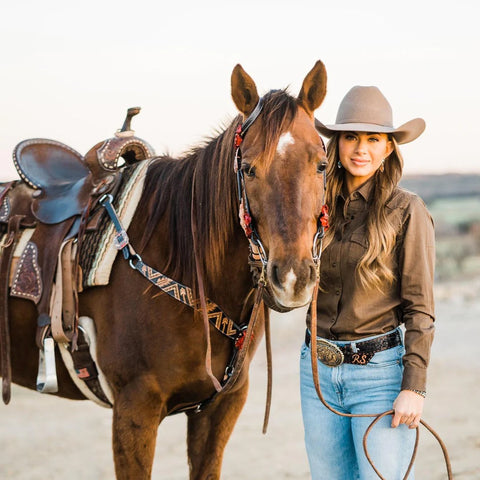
404	134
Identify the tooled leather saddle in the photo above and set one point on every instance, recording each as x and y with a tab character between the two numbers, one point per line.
54	200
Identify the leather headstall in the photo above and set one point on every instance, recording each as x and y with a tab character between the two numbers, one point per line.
258	256
258	259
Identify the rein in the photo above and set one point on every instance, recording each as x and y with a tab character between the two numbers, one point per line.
258	259
212	313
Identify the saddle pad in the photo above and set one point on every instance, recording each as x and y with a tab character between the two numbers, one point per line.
99	253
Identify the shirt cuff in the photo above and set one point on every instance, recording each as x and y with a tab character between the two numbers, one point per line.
414	378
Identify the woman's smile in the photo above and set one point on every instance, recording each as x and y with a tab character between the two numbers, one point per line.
361	154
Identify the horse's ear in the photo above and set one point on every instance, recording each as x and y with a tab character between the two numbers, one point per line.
244	91
313	89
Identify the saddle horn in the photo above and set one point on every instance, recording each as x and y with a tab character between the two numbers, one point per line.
131	112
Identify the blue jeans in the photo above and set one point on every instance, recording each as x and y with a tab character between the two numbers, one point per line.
335	444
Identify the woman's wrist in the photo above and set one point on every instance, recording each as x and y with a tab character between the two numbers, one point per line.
422	393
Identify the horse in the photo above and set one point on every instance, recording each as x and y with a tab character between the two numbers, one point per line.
152	348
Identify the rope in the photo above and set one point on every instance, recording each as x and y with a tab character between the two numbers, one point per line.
376	416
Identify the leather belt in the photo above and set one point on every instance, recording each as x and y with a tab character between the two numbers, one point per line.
357	352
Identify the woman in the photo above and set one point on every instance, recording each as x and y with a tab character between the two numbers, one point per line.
376	274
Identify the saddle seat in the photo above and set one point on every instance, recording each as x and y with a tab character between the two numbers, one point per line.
57	173
44	163
64	180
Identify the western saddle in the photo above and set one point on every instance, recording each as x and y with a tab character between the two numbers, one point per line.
55	200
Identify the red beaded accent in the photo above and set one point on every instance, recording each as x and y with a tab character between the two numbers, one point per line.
324	217
241	340
238	137
248	221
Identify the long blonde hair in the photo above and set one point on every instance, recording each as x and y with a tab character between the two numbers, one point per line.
373	269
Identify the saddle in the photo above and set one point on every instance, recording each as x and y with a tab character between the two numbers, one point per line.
45	215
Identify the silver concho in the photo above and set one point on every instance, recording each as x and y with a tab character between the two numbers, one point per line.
328	353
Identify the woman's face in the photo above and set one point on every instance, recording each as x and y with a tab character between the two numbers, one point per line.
361	155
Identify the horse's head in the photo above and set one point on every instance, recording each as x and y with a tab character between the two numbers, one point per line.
282	163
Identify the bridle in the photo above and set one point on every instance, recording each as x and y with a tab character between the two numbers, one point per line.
257	251
258	258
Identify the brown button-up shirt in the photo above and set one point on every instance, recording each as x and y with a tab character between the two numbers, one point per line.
347	311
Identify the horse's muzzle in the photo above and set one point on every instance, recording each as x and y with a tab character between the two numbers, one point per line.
291	284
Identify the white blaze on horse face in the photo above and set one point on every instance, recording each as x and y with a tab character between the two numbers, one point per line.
284	141
289	284
286	295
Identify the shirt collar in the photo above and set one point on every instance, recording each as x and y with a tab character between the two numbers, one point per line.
367	188
364	191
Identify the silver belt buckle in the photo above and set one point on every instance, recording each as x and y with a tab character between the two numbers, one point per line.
328	353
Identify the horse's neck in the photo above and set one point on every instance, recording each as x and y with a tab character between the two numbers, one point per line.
223	259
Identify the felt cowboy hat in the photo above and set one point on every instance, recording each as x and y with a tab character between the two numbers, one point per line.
365	109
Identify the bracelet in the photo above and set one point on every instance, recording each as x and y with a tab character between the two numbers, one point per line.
422	393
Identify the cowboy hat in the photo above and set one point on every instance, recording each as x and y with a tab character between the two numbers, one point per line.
365	109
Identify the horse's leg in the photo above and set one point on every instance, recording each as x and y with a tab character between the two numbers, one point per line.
209	431
138	410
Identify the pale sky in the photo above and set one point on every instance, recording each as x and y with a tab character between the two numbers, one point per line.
70	70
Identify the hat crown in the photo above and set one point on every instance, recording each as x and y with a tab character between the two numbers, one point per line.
365	105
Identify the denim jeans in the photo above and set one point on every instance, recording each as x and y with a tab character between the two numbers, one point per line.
335	444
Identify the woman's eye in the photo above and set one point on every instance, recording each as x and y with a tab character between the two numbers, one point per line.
248	169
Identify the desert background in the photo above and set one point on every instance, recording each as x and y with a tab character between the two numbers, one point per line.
46	437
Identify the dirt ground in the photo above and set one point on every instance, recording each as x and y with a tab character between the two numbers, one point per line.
46	437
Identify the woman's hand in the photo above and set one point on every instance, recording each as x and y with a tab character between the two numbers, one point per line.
408	409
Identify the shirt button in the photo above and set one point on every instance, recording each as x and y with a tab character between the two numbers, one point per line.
337	292
334	264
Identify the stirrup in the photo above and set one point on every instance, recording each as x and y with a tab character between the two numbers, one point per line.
47	373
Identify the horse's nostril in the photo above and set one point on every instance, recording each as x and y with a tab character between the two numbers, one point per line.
274	275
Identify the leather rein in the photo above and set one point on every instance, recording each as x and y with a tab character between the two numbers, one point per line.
212	313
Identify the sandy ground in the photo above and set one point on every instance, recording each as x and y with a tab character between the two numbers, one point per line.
46	437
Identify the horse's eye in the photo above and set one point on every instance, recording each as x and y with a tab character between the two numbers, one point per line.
249	170
321	167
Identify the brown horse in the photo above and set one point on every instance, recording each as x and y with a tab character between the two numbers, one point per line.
151	347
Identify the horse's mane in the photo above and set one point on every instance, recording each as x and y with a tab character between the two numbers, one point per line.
168	192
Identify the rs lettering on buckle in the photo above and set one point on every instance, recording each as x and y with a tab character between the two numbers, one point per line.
361	358
328	353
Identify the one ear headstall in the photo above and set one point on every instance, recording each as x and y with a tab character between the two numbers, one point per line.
246	218
241	131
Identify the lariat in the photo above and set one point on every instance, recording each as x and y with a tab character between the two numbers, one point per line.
376	416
